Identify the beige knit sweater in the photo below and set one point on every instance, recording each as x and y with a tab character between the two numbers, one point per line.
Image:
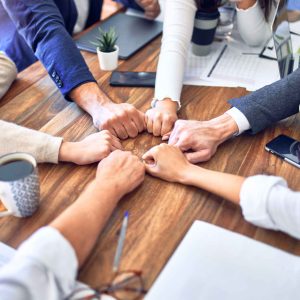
8	73
14	138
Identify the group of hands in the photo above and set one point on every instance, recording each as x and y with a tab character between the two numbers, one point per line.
188	142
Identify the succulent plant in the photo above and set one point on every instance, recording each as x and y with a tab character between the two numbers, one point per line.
106	41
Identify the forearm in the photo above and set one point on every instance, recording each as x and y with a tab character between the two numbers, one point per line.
222	184
177	34
51	43
89	97
271	103
83	221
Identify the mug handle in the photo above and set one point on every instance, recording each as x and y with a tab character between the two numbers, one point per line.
5	213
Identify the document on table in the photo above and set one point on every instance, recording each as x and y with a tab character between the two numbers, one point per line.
212	263
244	70
231	63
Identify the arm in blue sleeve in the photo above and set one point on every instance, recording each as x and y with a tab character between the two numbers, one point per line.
42	26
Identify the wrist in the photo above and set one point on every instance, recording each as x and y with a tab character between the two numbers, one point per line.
224	126
192	175
66	152
186	174
168	105
104	189
89	97
111	186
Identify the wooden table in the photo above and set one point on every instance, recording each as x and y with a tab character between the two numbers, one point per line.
160	212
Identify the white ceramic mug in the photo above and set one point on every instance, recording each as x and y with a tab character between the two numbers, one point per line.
20	196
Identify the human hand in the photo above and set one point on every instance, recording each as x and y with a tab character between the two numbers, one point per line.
199	140
91	149
166	162
129	169
151	8
123	120
160	120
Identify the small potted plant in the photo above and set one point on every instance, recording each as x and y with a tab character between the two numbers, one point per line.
107	49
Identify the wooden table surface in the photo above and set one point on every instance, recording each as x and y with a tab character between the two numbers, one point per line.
160	212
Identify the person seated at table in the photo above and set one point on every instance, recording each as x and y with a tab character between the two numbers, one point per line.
42	29
252	113
177	33
44	147
47	148
266	201
8	73
45	266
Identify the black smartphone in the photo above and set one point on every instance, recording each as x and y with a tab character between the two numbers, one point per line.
286	148
133	79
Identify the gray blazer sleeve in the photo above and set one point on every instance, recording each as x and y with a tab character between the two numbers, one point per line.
271	103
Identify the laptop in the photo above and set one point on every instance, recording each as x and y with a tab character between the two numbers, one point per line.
133	34
288	62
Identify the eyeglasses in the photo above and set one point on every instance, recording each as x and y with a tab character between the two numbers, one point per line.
125	285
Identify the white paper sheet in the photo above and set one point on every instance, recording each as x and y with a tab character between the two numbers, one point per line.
239	66
212	263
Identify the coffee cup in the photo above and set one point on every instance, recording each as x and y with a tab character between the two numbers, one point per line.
204	31
19	185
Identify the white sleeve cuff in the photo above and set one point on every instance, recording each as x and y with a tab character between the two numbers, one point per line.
48	247
254	196
240	119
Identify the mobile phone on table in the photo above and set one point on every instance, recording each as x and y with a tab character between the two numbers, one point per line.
286	148
133	79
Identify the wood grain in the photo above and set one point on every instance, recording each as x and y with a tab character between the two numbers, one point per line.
160	212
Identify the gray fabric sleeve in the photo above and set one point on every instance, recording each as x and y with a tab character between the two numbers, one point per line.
14	138
271	103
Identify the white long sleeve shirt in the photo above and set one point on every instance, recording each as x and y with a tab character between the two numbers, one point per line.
83	13
43	268
177	34
266	201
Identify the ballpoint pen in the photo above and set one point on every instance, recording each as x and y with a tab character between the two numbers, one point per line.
120	243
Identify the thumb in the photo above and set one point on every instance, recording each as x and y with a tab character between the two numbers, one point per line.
199	156
166	136
149	159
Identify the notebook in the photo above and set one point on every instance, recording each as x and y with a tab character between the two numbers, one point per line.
212	263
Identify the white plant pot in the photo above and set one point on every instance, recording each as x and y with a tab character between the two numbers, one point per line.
108	61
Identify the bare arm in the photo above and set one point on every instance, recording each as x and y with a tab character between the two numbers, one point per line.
168	162
227	186
84	220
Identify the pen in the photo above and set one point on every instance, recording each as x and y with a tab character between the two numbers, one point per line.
217	61
120	243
